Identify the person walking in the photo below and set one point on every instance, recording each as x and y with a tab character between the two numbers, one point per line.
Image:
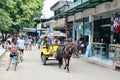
21	44
26	43
38	42
81	44
30	43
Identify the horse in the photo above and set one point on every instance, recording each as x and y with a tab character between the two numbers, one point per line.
65	52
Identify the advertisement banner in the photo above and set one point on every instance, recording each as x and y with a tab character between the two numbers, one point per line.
87	28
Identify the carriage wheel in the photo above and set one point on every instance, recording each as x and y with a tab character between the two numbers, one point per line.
43	58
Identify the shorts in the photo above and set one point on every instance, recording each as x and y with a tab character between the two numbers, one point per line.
13	54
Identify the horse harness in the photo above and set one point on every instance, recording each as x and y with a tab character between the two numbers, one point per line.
67	51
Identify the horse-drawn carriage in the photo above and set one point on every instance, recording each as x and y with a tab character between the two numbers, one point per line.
58	52
50	52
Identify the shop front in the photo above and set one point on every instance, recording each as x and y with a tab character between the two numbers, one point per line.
105	39
94	20
101	37
82	27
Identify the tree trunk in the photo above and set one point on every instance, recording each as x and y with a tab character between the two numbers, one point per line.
2	35
5	36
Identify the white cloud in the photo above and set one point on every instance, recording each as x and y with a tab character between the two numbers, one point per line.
46	9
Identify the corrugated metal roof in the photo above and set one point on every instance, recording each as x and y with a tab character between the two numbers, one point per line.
48	22
79	6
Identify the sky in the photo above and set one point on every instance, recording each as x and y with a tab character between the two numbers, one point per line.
46	9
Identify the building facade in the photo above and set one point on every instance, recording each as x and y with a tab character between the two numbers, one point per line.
94	20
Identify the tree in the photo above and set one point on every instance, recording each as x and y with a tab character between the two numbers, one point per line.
5	19
26	11
16	14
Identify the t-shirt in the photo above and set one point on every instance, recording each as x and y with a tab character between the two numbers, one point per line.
29	41
20	44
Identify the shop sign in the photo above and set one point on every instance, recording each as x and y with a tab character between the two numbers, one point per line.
87	28
80	29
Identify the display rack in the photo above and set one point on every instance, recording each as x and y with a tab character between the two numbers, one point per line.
113	51
99	50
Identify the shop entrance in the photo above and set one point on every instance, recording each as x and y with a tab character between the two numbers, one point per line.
101	37
102	31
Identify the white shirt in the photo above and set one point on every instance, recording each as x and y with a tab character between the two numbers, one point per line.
20	44
29	41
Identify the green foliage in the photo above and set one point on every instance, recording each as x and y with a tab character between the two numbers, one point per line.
28	10
16	14
5	19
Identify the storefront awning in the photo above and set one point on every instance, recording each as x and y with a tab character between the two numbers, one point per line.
48	22
59	23
29	29
79	6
